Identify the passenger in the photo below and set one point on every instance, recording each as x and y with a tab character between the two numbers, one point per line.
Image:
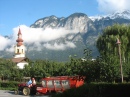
31	82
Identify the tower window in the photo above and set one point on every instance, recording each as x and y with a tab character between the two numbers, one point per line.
17	50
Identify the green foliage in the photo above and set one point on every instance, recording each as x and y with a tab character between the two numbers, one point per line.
98	90
9	85
9	70
87	53
109	51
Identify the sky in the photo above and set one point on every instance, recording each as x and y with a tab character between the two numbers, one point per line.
23	13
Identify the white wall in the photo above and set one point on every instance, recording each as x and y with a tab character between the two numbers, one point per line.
21	65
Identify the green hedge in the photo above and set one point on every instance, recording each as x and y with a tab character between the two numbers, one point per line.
9	85
98	90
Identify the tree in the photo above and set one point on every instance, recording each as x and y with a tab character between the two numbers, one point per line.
108	49
87	53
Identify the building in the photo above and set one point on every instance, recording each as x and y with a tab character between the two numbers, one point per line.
19	52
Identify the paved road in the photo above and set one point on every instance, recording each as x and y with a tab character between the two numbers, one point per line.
6	93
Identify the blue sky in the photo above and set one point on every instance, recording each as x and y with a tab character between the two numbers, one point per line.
17	12
23	13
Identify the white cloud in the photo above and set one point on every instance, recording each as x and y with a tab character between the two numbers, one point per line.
32	35
4	42
60	46
10	49
110	6
36	36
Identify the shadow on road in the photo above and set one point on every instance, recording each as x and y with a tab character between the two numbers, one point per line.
21	94
13	92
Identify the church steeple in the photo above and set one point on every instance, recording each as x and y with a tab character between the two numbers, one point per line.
19	48
19	52
19	40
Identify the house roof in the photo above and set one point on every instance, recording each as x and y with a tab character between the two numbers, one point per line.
17	60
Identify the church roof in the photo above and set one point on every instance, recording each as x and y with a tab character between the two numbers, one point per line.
19	32
19	40
17	60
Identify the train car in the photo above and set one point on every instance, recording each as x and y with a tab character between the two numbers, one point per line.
59	84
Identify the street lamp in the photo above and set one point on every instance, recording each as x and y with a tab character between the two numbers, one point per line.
119	49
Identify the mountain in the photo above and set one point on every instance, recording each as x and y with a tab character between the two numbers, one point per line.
79	22
86	30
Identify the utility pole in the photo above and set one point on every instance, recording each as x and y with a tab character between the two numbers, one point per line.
119	49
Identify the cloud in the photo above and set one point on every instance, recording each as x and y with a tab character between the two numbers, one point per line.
32	35
36	36
10	49
4	42
110	6
60	46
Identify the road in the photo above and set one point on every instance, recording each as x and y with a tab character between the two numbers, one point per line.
7	93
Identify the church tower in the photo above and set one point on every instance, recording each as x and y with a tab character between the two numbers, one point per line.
19	48
19	52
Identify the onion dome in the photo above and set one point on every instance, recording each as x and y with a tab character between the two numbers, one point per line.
19	40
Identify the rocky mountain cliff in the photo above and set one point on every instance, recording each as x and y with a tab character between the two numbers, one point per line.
85	31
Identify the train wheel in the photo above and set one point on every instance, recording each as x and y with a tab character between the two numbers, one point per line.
38	93
16	92
26	91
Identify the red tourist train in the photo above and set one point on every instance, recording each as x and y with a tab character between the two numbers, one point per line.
52	84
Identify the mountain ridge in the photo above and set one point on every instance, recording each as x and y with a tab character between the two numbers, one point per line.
87	29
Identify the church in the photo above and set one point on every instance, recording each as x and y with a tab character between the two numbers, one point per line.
19	52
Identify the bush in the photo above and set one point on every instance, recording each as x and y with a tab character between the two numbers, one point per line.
98	90
8	85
